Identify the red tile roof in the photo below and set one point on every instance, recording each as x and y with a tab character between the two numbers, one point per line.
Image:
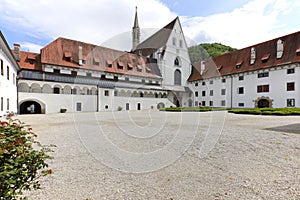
265	58
64	52
29	60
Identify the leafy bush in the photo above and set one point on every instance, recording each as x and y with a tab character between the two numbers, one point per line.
22	159
266	111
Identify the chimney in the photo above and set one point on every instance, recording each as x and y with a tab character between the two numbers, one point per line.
17	52
80	55
202	67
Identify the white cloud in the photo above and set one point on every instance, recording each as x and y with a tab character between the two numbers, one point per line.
26	46
110	22
255	22
93	21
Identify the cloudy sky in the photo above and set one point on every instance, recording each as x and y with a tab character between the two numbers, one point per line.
238	23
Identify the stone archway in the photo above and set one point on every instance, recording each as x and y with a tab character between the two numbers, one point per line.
31	107
263	102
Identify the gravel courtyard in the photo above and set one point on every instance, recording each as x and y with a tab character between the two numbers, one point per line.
162	156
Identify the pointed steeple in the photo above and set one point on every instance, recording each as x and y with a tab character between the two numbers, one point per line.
135	32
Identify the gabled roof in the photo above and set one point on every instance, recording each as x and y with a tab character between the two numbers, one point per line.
29	60
7	51
155	41
65	52
265	57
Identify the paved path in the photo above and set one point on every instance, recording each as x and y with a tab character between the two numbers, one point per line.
158	155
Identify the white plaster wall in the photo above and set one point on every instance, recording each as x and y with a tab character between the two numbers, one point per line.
8	88
54	102
277	81
113	102
171	52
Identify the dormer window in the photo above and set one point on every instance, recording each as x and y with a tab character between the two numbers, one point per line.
252	56
279	49
139	68
298	51
96	61
109	63
129	66
265	58
239	64
120	65
68	56
30	58
148	69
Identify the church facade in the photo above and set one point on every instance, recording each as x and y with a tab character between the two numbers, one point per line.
74	76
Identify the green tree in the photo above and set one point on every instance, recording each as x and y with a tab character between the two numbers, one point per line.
206	50
22	159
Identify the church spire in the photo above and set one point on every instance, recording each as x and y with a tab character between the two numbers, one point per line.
135	32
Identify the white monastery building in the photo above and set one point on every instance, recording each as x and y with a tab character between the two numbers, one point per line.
74	76
8	79
262	75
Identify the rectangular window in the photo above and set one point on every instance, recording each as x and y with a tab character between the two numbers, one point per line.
143	80
106	93
2	68
290	102
263	75
290	71
203	103
223	103
211	93
196	94
290	86
116	78
211	82
89	74
241	78
241	90
2	103
203	93
7	72
74	73
223	91
196	84
56	71
203	83
14	78
211	103
115	93
7	104
56	90
241	104
196	103
78	106
126	79
262	88
223	80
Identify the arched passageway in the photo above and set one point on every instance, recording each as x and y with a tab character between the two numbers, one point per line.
30	107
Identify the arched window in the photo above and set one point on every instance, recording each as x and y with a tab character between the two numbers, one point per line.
177	77
176	62
279	49
174	41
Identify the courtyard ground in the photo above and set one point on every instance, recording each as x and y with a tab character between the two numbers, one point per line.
159	155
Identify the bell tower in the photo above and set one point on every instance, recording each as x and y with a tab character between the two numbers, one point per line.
135	32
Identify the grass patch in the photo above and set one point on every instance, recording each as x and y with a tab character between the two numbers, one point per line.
266	111
188	109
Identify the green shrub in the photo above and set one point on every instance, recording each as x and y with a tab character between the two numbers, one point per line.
187	109
22	159
267	111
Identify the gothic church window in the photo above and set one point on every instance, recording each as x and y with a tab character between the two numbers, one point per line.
177	77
